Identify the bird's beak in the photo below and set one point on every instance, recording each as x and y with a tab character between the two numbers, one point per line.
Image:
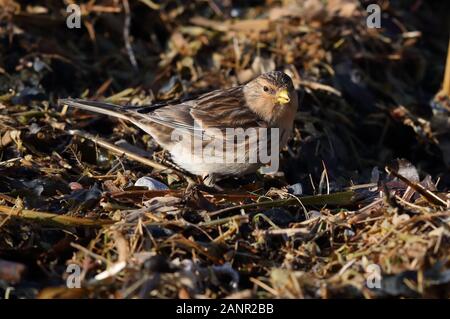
283	96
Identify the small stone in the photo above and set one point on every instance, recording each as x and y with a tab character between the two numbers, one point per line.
314	214
75	186
296	189
159	232
151	184
39	65
349	233
375	175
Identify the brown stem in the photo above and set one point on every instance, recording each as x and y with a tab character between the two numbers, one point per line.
50	218
446	83
336	199
132	156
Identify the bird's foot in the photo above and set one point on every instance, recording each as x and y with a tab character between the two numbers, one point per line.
206	183
209	180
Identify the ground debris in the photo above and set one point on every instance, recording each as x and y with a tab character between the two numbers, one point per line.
360	207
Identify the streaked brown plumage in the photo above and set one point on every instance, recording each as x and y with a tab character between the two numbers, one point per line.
268	101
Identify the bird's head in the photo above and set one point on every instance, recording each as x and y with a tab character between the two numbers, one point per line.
271	95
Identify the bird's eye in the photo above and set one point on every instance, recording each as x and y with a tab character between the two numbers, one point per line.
266	89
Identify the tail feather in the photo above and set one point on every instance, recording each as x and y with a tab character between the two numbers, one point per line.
98	107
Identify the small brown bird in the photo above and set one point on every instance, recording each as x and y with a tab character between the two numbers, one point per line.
267	102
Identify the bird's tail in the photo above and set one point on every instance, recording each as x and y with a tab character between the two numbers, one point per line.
99	107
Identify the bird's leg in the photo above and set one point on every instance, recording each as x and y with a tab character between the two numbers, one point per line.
207	184
209	180
192	185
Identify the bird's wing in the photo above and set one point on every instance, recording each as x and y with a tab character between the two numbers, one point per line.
219	109
175	116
